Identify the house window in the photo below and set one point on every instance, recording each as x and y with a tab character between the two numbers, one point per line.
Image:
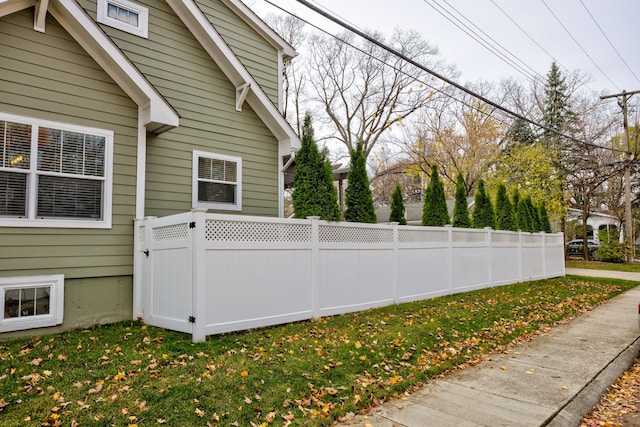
54	175
124	15
31	302
217	182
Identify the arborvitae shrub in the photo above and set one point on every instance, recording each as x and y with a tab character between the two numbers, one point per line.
434	211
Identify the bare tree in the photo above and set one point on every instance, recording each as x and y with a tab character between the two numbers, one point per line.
294	78
362	90
459	136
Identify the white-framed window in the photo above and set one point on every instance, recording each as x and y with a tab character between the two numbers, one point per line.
31	302
124	15
53	174
217	181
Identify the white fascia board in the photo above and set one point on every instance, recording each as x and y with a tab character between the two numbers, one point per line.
237	74
7	7
158	114
258	25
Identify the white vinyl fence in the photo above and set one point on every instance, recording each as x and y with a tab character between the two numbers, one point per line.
208	273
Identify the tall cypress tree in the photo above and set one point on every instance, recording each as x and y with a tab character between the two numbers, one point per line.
358	197
516	209
397	213
461	208
434	210
314	193
545	224
505	219
524	219
534	220
483	215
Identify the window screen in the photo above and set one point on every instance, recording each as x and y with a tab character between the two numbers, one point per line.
217	181
67	180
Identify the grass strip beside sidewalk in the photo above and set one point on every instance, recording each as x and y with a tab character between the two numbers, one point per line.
306	373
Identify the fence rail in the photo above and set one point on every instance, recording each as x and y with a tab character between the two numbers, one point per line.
205	273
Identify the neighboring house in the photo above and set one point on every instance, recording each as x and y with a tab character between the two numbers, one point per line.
112	110
413	211
596	221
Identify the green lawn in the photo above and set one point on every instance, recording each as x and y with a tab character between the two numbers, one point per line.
597	265
306	373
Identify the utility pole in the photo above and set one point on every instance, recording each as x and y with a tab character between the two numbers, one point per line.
628	228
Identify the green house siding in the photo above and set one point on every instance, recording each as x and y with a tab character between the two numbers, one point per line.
89	301
50	76
181	70
255	53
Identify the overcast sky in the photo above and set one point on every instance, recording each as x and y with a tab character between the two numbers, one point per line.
618	19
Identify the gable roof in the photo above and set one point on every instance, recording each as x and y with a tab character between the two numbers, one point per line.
246	86
259	26
157	115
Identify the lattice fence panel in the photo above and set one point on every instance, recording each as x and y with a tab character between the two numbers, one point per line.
336	234
532	239
419	236
469	236
243	231
554	239
505	238
141	231
170	232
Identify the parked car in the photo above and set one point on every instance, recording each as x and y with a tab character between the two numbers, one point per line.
574	247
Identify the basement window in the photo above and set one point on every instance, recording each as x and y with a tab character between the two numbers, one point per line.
124	15
31	302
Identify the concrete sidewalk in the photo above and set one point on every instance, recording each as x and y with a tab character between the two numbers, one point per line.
551	380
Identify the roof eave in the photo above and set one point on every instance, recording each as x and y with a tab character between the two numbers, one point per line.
237	74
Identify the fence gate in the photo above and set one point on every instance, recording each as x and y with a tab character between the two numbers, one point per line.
168	265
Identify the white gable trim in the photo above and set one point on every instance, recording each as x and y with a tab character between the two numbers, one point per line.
158	115
7	7
258	25
237	74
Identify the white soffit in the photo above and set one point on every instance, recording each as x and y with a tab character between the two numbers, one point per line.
159	116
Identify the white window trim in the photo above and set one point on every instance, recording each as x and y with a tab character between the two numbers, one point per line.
194	184
141	30
31	220
56	302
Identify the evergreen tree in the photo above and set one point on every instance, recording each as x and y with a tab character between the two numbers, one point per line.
358	199
532	212
545	224
461	208
516	209
314	193
524	219
434	210
505	219
483	215
557	113
520	132
397	207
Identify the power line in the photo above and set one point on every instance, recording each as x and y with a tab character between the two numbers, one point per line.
481	40
578	44
609	41
527	34
435	89
460	87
